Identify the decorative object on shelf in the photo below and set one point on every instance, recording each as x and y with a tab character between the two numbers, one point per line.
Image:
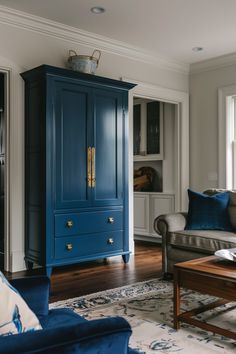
84	63
144	179
76	173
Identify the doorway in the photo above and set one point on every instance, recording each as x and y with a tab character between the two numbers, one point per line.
4	255
155	142
181	103
2	171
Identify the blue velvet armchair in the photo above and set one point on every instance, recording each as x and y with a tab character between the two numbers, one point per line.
64	331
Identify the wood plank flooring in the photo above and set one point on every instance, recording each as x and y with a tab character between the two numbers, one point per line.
90	277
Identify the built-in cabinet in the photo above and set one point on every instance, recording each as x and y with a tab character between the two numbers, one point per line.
76	175
154	164
147	206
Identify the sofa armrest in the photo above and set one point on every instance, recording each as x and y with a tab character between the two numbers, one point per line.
108	335
35	292
168	223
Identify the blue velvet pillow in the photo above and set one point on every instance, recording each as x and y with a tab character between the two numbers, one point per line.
208	212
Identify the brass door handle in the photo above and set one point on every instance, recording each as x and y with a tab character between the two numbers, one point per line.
69	224
69	246
110	220
89	167
93	182
110	241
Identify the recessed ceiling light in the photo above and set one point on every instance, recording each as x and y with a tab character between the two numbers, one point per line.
197	49
97	10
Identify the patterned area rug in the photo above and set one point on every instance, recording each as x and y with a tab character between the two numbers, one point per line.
148	308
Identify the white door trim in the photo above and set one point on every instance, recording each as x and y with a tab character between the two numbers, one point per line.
7	73
224	132
181	99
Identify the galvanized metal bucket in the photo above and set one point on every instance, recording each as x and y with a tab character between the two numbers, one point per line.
84	63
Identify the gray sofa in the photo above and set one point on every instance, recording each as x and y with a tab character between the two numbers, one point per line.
180	245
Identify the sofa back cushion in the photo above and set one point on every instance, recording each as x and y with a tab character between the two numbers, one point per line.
232	203
208	212
232	208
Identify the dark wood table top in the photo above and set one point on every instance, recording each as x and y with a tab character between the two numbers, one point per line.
211	265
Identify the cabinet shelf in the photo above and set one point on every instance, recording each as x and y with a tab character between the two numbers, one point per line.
148	158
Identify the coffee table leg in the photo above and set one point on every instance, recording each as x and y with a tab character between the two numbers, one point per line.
176	300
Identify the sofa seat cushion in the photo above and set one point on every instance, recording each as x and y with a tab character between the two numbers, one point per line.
60	317
206	241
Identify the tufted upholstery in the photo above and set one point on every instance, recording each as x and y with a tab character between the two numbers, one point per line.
180	245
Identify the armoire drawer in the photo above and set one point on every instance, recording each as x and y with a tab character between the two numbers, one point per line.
88	245
88	222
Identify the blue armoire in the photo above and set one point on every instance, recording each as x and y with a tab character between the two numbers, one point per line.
76	167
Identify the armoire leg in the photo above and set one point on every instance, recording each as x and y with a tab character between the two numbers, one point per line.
125	258
49	271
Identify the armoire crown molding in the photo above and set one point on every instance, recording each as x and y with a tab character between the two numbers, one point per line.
61	31
213	64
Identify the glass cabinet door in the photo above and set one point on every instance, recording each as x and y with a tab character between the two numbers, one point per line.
147	130
153	128
137	128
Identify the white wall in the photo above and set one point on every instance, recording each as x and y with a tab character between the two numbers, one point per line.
22	49
204	124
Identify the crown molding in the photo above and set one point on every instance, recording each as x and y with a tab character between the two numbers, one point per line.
58	30
213	64
158	92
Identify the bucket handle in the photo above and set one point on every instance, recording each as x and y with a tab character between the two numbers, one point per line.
99	55
73	52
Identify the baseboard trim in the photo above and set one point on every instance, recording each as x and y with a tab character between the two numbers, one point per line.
147	239
17	262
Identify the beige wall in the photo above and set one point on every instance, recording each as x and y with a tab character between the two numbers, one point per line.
23	49
204	124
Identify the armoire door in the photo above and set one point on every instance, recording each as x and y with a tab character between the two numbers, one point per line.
72	127
109	147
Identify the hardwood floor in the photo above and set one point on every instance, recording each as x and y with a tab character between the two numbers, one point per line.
90	277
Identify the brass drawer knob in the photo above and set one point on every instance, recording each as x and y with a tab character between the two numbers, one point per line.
69	246
110	241
69	223
111	220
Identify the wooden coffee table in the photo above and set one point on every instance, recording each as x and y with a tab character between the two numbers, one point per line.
208	275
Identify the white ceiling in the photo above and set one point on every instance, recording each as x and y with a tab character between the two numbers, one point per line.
168	28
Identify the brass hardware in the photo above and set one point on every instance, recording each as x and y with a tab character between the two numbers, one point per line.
93	167
69	223
89	158
110	220
110	241
69	246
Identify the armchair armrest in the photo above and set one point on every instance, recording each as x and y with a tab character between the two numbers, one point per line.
35	292
168	223
108	335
